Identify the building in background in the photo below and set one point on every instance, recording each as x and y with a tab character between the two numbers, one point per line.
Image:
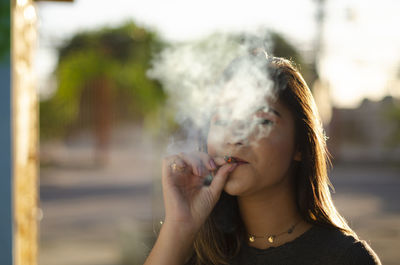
365	134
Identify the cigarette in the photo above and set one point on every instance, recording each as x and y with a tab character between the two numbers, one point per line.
208	179
229	159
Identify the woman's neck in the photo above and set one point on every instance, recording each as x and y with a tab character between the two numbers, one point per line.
270	212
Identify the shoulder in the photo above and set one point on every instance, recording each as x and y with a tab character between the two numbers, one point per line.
360	253
345	249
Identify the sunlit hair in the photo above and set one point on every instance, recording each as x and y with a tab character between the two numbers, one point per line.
220	237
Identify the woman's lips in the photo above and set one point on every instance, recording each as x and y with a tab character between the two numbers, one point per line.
228	160
234	159
239	161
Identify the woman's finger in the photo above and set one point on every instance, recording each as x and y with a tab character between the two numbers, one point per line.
220	179
219	160
207	161
194	162
210	163
174	164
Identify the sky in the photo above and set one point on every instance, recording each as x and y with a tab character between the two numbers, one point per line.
360	46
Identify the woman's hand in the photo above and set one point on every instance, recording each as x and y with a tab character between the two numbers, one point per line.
188	202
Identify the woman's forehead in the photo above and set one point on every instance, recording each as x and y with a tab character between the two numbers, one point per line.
277	107
273	103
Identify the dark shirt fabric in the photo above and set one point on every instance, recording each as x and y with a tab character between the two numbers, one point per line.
317	246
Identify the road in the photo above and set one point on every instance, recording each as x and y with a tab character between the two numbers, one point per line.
369	199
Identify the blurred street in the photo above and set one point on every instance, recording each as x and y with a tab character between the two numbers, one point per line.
93	215
369	198
90	213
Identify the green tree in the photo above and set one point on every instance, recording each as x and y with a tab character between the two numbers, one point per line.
102	73
4	29
275	44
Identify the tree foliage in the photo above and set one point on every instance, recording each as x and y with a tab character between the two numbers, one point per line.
117	57
4	29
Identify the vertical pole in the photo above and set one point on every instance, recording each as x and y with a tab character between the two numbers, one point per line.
5	166
25	133
6	216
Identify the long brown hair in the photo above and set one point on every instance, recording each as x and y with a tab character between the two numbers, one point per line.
220	237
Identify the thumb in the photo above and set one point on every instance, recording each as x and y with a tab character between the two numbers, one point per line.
220	179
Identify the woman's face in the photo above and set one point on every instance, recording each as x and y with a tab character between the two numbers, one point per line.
268	149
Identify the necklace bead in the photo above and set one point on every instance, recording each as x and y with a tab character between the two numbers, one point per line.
271	238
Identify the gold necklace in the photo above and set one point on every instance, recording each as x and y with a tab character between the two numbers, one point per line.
271	238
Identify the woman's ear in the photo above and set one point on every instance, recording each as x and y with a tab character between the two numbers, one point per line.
297	156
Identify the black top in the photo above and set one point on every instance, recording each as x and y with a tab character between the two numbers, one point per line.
318	245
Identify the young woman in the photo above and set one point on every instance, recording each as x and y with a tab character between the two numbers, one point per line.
271	204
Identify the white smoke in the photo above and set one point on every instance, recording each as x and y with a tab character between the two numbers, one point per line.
194	77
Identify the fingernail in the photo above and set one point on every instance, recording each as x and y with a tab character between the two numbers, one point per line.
212	164
199	171
232	167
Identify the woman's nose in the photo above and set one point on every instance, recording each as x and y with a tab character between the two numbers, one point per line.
236	133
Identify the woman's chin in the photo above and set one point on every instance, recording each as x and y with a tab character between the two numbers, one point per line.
232	191
235	185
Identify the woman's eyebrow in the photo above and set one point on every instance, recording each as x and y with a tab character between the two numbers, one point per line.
275	112
269	109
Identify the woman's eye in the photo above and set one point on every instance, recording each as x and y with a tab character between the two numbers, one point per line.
265	122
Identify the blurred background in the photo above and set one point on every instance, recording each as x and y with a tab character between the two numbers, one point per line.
104	124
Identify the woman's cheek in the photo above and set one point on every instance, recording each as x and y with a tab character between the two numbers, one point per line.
275	151
284	151
214	140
